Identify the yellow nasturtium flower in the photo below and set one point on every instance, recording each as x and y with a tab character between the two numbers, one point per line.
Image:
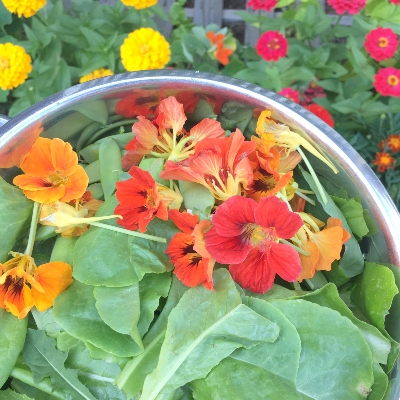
15	65
139	4
98	73
27	8
144	49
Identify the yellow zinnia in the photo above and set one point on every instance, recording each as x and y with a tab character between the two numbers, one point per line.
15	65
98	73
143	49
27	8
139	4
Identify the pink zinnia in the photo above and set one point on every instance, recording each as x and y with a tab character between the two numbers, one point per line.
291	94
381	43
272	46
395	2
387	82
351	6
245	234
265	5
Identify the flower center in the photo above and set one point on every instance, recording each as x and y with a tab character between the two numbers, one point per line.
4	63
273	44
383	42
144	48
57	179
260	235
393	80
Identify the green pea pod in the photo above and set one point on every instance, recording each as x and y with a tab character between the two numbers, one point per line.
86	135
96	190
93	171
110	166
45	232
63	249
91	153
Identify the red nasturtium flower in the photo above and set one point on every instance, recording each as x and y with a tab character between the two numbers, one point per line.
384	161
187	251
351	6
51	172
381	43
221	165
165	137
272	46
141	199
221	52
291	94
245	234
321	113
23	285
324	246
265	5
387	82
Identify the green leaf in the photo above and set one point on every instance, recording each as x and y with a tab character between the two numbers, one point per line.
154	165
196	196
45	321
193	345
15	213
12	338
5	15
97	375
42	357
96	110
380	385
352	261
335	361
130	257
75	311
94	38
119	308
266	371
328	296
9	394
132	377
373	293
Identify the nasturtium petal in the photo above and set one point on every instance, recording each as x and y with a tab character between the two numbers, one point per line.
75	311
335	362
205	327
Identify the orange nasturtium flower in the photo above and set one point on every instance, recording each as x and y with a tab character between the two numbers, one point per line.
23	285
323	246
51	172
221	52
187	250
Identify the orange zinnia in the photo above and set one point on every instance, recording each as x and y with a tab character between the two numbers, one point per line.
384	161
51	172
23	285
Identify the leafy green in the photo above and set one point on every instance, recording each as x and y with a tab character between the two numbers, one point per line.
75	311
328	296
335	361
204	328
15	212
9	394
380	383
45	321
12	338
267	370
45	360
196	196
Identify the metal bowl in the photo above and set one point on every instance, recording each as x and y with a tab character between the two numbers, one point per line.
68	112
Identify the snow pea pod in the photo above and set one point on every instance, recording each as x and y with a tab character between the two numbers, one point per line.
45	232
110	166
88	132
93	171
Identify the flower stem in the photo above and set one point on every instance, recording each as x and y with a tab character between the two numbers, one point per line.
32	231
314	176
298	249
131	233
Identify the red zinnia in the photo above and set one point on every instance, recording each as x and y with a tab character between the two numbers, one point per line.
387	82
321	113
272	46
193	263
245	234
351	6
141	199
384	161
265	5
381	43
291	94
